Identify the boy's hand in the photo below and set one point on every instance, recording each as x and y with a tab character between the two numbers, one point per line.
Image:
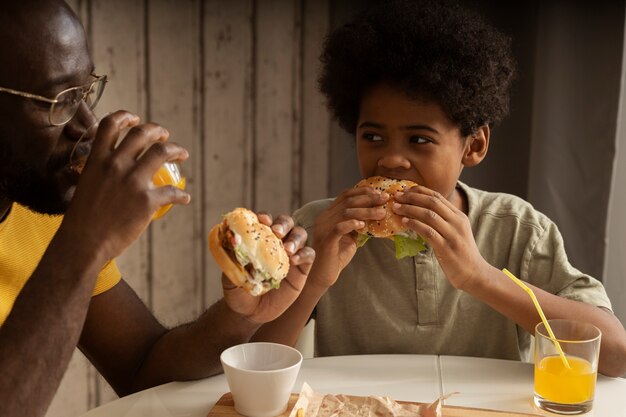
446	229
272	304
334	238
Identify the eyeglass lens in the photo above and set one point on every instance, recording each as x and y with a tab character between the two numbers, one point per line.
69	100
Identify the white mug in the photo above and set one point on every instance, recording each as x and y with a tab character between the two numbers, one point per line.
261	377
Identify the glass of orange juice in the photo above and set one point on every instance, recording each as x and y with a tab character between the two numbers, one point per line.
168	174
560	387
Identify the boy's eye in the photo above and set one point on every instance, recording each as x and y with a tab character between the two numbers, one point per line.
419	139
372	137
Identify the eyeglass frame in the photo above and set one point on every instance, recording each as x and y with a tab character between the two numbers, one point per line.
86	89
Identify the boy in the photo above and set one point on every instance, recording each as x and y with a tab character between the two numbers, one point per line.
421	85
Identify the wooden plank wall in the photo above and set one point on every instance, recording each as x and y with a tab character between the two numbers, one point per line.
234	81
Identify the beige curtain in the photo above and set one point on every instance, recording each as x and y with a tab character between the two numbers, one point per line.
572	60
575	109
615	259
563	145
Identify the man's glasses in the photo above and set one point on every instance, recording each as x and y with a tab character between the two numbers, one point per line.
65	104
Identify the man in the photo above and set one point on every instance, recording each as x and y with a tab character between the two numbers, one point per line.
56	264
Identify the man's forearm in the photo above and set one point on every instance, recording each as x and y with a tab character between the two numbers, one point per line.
39	336
192	351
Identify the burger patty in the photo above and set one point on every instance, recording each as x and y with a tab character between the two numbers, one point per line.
228	243
227	238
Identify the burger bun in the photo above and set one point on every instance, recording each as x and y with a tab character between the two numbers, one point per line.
256	242
392	223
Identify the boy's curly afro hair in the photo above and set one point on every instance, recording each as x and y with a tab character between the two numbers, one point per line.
430	50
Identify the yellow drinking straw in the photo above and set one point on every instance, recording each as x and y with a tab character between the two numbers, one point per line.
540	311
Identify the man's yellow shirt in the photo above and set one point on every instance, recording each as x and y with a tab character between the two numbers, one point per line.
24	237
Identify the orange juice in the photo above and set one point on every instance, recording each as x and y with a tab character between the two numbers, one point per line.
554	382
168	174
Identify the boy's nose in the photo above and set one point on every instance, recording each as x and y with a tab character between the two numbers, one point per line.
394	160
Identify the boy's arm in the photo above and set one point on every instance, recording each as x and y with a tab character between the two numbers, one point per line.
498	291
448	231
325	270
334	241
287	328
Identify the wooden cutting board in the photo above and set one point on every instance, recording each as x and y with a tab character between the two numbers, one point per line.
225	408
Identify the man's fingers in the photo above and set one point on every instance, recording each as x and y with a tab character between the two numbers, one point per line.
265	218
296	240
304	259
282	225
158	154
132	143
108	131
169	194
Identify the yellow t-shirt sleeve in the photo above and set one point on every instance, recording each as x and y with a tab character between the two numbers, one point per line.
108	278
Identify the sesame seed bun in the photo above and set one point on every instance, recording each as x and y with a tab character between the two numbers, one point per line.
392	223
248	252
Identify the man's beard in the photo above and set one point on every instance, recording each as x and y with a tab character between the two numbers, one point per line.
27	187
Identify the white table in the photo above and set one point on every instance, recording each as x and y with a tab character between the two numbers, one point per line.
482	383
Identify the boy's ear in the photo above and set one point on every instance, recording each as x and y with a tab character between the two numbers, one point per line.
476	146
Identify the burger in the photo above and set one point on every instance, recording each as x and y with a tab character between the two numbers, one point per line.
248	252
407	241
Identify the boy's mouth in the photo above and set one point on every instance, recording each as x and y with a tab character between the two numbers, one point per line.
395	176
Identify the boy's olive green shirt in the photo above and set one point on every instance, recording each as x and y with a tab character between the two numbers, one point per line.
383	305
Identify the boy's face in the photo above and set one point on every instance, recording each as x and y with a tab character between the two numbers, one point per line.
403	138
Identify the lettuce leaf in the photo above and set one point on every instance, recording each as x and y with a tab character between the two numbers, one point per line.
361	239
406	246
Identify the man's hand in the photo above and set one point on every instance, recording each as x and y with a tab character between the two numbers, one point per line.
272	304
115	198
